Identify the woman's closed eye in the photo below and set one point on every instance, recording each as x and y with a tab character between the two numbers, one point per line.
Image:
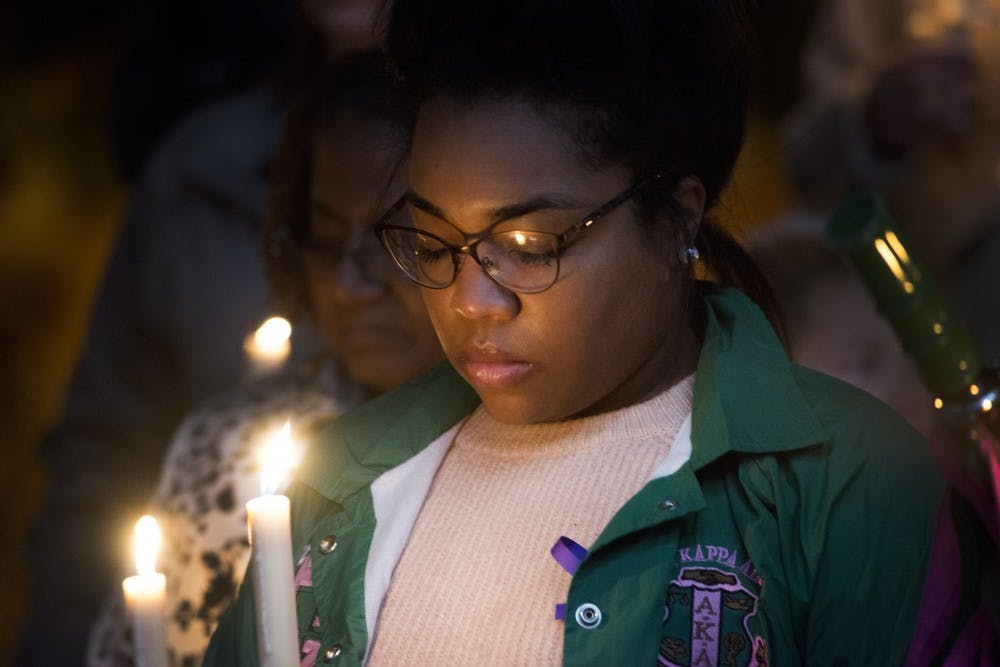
427	249
533	258
527	248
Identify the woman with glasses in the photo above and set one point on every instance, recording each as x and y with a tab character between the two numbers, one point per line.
620	466
340	164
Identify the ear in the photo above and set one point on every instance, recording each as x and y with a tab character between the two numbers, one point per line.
690	197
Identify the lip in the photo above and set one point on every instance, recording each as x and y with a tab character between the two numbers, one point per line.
487	367
369	336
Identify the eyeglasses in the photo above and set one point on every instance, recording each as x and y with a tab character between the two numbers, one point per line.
325	257
519	260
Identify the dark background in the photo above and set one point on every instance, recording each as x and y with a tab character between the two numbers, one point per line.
85	89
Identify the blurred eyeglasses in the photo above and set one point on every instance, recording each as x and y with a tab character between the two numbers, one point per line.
366	256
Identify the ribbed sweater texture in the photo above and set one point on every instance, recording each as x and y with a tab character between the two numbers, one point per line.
476	584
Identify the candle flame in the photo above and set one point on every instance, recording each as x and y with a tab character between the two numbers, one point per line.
272	335
147	543
279	457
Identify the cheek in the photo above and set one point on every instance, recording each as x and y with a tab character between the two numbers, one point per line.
436	305
413	311
320	292
607	315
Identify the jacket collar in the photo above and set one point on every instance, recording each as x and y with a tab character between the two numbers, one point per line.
351	451
745	399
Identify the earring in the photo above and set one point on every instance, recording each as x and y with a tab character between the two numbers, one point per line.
690	254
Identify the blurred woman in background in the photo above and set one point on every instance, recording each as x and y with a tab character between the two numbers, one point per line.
340	163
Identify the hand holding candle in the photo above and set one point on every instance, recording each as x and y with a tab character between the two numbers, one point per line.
268	517
144	595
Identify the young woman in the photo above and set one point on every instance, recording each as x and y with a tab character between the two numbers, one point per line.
705	501
340	164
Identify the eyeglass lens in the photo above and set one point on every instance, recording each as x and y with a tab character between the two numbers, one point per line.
523	261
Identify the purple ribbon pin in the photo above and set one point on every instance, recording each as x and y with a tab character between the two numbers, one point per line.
569	555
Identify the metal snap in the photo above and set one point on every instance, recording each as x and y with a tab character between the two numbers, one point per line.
327	544
588	616
668	505
331	653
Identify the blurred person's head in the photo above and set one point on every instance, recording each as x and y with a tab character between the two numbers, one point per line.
327	32
833	325
345	26
340	164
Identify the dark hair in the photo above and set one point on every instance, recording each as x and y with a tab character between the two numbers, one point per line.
655	85
361	84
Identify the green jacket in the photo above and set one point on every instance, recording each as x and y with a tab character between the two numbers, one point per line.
796	533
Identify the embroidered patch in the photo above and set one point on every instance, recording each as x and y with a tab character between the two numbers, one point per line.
709	609
309	650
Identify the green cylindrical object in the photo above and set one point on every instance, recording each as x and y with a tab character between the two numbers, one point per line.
907	296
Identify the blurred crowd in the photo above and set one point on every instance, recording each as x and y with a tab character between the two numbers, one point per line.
237	185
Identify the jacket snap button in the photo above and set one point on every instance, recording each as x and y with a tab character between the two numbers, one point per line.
327	544
331	653
588	616
668	505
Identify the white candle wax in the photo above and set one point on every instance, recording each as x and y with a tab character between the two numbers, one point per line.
268	517
144	597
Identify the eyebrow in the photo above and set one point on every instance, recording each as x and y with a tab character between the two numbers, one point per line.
506	212
327	211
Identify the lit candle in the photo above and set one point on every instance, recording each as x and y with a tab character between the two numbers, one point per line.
144	597
268	517
268	347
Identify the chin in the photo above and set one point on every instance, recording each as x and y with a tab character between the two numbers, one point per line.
518	410
376	377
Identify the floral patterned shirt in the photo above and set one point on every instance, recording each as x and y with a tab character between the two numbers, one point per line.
209	473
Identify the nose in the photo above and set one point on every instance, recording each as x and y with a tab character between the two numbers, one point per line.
353	283
476	296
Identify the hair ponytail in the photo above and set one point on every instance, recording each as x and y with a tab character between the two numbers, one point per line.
729	264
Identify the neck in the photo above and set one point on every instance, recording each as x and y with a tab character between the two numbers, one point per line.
673	360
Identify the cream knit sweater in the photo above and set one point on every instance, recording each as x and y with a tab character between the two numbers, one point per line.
476	584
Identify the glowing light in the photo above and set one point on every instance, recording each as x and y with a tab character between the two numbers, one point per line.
987	405
938	328
897	247
891	262
908	287
920	25
950	12
520	238
974	390
938	403
279	456
963	365
273	334
147	543
269	346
